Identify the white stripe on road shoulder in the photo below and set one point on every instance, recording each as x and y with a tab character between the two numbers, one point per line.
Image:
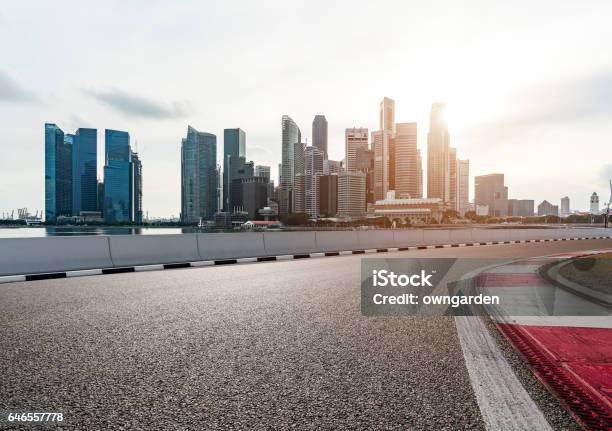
504	403
83	272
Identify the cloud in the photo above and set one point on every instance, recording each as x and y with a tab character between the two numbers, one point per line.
11	91
137	106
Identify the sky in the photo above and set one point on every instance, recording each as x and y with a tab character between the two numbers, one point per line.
528	83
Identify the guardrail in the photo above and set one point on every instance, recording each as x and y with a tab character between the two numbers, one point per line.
51	254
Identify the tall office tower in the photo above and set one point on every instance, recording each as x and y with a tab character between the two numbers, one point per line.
354	139
262	171
419	175
384	154
382	143
100	197
406	160
198	176
58	174
332	167
290	135
313	171
453	179
546	208
319	134
219	184
594	203
328	195
117	176
234	146
299	168
364	160
463	186
491	191
387	114
254	195
565	206
136	183
84	170
239	170
438	161
299	193
351	194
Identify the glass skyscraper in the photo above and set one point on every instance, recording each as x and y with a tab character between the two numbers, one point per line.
58	174
290	136
198	176
234	147
84	170
117	177
319	134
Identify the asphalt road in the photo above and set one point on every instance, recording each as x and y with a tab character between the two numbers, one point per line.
263	345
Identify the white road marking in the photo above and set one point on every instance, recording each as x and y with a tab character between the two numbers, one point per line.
504	403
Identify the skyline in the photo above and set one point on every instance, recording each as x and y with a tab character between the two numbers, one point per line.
543	125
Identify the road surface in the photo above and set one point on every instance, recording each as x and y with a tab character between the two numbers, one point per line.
262	345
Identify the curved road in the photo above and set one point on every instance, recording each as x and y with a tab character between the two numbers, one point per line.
263	345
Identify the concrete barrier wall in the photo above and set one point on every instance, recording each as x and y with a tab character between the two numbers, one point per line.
408	238
129	250
436	236
336	240
231	245
53	254
279	243
369	239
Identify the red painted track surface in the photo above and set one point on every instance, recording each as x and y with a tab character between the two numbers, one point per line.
574	362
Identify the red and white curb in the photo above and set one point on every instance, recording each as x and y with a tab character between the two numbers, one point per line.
176	265
571	356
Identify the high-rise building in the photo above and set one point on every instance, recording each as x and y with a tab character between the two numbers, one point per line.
491	191
351	194
438	157
313	171
382	143
299	193
384	151
117	176
332	167
453	178
328	195
364	161
565	206
262	171
239	169
354	139
84	170
58	174
419	174
234	147
521	207
387	114
198	176
319	134
406	160
463	186
100	204
136	182
546	209
594	209
290	135
253	194
299	168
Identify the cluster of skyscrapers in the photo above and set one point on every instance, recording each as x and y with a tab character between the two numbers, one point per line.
381	173
72	188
